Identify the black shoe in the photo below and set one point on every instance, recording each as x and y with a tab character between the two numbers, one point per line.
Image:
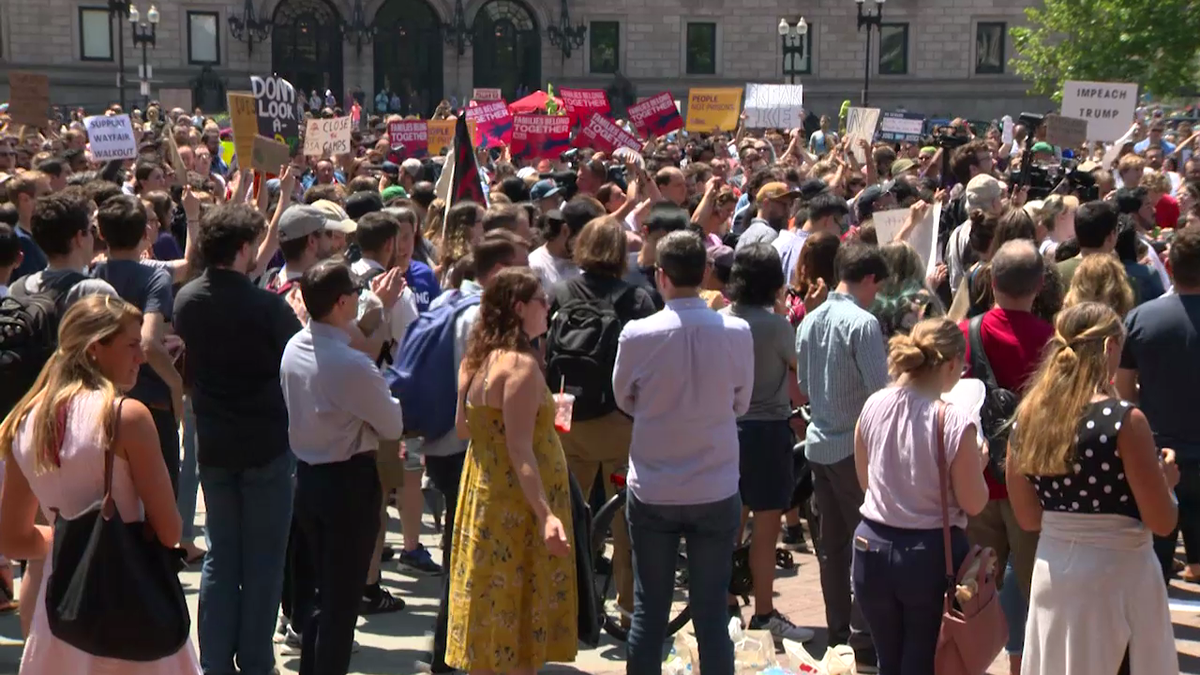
387	554
376	600
793	538
602	566
425	664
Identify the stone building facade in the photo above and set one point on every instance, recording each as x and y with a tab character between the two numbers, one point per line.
939	57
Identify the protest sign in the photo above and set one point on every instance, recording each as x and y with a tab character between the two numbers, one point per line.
923	236
493	122
275	107
1066	132
774	106
898	127
602	134
710	109
656	116
581	103
268	155
860	124
111	137
244	121
1107	106
540	136
171	99
1006	135
29	98
412	134
329	136
486	95
440	135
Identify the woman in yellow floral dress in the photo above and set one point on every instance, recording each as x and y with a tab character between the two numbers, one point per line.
513	595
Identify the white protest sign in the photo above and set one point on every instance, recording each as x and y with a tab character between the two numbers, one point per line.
487	94
1066	132
860	125
774	106
923	236
327	136
1006	136
1107	106
111	137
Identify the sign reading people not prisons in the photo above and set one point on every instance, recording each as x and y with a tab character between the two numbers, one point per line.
111	137
275	107
327	136
710	109
1108	107
774	106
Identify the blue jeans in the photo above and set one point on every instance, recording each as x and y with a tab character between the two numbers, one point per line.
654	532
189	477
1015	610
248	513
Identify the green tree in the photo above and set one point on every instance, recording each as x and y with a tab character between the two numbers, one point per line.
1150	42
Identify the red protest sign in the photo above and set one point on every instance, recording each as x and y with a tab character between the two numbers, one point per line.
656	116
493	122
581	103
412	134
540	136
602	134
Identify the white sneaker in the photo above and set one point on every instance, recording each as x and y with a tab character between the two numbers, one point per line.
292	645
781	627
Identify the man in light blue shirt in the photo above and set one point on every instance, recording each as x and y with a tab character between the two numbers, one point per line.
684	374
841	361
339	407
1155	139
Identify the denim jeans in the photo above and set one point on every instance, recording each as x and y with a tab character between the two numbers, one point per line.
654	532
1015	609
248	513
189	476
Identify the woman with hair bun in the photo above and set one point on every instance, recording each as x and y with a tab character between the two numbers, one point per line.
899	571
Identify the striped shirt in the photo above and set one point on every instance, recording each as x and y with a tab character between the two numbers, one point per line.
841	360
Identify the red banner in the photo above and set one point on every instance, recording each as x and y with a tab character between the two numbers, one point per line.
602	134
493	123
656	116
540	136
412	134
581	103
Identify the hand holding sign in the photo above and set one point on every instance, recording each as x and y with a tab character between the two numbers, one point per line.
327	137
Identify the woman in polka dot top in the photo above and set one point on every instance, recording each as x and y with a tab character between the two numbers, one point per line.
1083	469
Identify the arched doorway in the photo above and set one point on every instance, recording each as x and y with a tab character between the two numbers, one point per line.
408	54
306	46
508	48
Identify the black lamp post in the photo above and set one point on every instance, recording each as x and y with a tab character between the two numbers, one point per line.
565	36
869	20
119	10
787	30
456	32
357	30
248	27
144	35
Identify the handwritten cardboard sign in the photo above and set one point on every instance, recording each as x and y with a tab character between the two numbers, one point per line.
1066	132
774	106
486	94
710	109
923	236
540	136
860	125
1107	106
329	136
111	137
656	116
29	98
171	99
244	122
268	155
275	107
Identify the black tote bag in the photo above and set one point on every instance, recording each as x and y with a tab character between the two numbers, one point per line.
114	591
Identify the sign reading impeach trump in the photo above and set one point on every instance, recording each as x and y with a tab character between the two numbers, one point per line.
1107	106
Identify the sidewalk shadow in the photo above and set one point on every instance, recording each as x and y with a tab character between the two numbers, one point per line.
11	645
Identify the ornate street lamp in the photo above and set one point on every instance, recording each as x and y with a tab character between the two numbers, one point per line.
248	27
869	20
565	36
798	53
456	32
357	30
144	34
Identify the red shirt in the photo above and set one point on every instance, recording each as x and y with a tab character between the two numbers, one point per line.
1166	212
1013	341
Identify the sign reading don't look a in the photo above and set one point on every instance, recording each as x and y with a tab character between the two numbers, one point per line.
327	136
1107	106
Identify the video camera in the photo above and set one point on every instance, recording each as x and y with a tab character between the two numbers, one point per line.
1064	179
948	139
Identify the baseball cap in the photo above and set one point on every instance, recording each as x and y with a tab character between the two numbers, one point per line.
299	221
721	256
411	166
901	165
1043	146
336	218
390	168
525	172
811	188
865	204
393	191
983	191
543	189
776	191
360	204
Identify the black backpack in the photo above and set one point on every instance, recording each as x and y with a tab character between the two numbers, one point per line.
581	350
999	404
29	335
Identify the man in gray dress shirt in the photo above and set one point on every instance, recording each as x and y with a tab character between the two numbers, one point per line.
339	408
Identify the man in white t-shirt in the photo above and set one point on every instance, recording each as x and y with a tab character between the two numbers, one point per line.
552	261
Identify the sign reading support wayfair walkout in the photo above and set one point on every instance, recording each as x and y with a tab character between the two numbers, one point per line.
1107	106
111	137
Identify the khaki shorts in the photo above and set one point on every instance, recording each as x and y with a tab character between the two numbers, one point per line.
392	468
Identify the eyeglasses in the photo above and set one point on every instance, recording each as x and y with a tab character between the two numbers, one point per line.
541	300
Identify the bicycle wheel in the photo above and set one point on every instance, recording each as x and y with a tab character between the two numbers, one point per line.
615	619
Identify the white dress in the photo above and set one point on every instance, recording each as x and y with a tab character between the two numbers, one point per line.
73	488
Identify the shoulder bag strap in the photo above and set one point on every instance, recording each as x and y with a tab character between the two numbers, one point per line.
108	505
981	367
944	486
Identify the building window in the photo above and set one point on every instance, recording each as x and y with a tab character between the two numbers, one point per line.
204	38
604	44
989	47
95	34
893	49
702	49
797	53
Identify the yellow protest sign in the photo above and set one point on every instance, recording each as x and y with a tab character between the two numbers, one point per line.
710	109
441	135
244	122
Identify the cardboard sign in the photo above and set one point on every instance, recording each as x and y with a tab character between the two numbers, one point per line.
29	100
171	99
413	135
1107	106
540	136
899	127
275	107
440	135
581	103
774	106
244	121
486	95
269	156
1066	132
111	137
860	124
493	122
329	136
923	236
710	109
656	116
602	134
